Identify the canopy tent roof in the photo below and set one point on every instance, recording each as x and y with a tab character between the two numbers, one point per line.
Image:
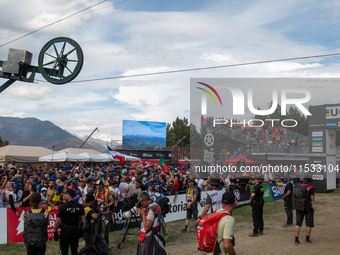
22	154
79	151
62	157
95	158
238	158
108	157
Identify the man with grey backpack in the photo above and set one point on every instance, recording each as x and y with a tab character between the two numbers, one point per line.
303	196
35	226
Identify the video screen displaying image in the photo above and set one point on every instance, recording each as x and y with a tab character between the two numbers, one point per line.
147	135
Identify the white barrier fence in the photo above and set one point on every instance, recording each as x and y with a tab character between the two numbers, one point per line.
3	225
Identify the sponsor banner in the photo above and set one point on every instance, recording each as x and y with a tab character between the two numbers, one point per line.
317	149
332	112
331	124
317	144
317	139
3	225
145	162
147	154
16	227
267	197
317	177
242	195
319	133
277	189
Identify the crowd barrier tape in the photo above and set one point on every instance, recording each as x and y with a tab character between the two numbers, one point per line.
15	224
15	228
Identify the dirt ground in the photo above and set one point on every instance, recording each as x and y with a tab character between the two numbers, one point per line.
279	240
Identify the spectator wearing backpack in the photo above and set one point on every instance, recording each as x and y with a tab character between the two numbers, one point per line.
257	202
288	203
222	223
36	221
303	196
150	222
214	197
156	193
191	199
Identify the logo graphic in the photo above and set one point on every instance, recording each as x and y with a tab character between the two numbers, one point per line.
333	112
209	139
237	194
213	90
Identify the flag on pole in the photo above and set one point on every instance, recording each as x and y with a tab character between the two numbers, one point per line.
163	165
117	155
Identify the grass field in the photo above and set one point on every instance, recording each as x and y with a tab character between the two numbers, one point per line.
274	217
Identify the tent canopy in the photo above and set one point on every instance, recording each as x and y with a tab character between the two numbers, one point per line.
79	151
22	154
236	160
62	157
93	157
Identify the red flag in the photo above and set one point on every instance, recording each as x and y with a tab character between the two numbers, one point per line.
165	168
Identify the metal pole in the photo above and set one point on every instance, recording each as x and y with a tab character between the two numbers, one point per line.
6	85
52	153
177	143
88	137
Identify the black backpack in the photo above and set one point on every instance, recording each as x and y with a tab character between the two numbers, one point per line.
300	197
198	199
35	228
157	245
100	246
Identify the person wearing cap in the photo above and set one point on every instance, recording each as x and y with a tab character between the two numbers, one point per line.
14	197
55	197
150	189
288	201
214	197
225	230
257	202
78	197
191	199
104	201
115	191
68	218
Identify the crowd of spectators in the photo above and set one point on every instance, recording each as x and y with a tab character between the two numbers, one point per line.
258	139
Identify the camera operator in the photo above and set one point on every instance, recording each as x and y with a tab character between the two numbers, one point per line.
89	231
104	200
150	224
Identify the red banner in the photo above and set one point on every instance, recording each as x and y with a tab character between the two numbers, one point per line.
15	225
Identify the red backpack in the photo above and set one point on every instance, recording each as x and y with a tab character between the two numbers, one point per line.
207	231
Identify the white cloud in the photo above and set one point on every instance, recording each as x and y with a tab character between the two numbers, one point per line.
27	91
11	113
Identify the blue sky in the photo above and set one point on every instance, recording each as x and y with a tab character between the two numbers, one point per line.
151	36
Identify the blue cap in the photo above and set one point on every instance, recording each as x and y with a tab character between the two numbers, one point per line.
23	165
16	186
59	189
19	180
54	177
78	192
150	183
158	180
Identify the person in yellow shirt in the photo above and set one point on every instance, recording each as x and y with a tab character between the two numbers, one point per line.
36	204
55	197
225	231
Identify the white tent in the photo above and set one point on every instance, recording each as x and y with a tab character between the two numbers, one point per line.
22	154
92	157
108	157
62	157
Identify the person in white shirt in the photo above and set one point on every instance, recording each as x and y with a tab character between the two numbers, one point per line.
199	181
123	185
115	190
227	182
